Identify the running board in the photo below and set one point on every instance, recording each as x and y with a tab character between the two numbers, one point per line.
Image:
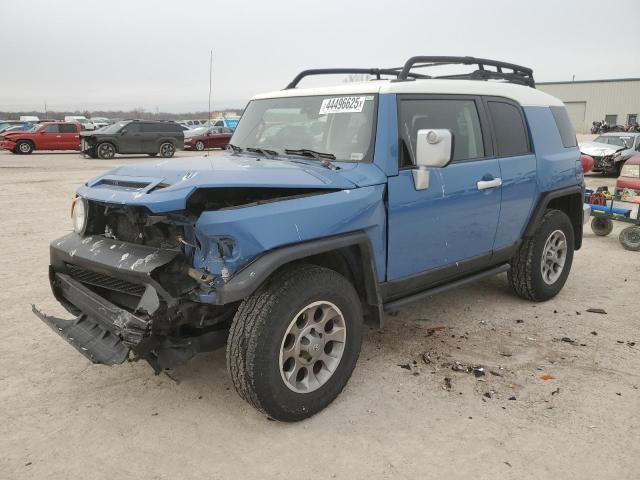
396	304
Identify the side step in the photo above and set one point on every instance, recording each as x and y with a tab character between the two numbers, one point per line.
396	304
89	337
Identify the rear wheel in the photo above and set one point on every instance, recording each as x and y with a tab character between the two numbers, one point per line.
602	226
541	267
630	238
24	147
294	343
106	151
167	150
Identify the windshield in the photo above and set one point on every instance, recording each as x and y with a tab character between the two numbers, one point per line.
338	125
195	131
620	141
114	128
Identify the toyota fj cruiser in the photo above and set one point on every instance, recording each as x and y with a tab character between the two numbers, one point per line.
331	207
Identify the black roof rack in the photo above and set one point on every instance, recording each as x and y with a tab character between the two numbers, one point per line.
513	74
394	72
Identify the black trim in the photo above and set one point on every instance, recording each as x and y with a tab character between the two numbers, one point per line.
394	289
543	202
396	304
247	280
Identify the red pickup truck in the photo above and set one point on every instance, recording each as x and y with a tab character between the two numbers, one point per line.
46	136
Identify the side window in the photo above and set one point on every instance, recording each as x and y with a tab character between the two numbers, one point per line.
227	130
53	128
459	116
509	128
67	128
567	133
219	123
132	127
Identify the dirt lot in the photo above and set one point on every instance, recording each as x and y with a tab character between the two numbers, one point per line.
63	418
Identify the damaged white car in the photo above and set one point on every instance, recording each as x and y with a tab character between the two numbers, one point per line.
611	150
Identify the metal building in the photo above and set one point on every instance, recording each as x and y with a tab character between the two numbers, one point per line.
617	100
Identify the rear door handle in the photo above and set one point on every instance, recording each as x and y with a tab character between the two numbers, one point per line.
484	184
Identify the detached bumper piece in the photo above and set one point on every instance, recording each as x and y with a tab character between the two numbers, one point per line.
103	332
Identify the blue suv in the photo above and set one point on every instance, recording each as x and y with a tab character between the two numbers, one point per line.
330	207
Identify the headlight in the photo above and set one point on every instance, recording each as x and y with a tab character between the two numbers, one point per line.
630	171
79	211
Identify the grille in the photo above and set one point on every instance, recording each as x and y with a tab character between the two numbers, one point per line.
104	281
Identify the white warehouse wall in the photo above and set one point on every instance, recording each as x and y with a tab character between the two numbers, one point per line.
589	101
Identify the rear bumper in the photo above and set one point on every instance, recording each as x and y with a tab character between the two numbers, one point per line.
586	213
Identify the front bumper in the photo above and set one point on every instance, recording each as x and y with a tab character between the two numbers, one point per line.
7	145
121	309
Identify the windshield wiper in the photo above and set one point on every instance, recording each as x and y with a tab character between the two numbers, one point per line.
264	151
235	148
323	157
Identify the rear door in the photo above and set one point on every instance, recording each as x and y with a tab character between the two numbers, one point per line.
449	228
149	135
518	168
70	136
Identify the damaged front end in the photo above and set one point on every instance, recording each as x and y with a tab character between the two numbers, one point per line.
146	285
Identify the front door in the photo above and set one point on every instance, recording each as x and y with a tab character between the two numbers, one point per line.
129	141
49	137
448	228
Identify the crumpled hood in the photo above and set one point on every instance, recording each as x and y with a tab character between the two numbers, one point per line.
165	185
599	149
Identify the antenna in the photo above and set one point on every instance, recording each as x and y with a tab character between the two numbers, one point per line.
209	115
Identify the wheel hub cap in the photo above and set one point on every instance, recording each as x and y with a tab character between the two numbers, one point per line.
312	347
554	256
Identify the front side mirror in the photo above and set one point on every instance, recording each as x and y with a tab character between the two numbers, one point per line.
434	148
122	132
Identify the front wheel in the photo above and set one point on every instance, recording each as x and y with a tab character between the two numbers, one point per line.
167	150
294	342
542	264
106	151
24	147
199	145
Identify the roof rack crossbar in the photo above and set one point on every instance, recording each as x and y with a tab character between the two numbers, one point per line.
377	72
517	74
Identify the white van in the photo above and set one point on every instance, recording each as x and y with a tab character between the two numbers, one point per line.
29	118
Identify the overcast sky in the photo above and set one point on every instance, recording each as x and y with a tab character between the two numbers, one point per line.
121	54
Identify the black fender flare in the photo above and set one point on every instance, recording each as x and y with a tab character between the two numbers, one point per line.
249	278
546	198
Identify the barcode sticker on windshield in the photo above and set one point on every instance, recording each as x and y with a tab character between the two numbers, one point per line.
342	105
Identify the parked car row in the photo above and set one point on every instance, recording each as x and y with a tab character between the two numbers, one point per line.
124	137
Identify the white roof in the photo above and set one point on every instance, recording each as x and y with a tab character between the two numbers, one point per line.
525	96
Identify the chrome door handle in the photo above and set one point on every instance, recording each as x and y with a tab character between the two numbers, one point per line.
484	184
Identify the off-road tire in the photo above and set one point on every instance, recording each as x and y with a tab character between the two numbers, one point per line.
525	275
106	150
630	238
601	226
24	147
258	330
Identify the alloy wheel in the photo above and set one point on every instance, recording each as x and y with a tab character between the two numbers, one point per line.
554	256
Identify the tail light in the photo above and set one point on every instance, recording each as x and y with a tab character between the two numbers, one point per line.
587	163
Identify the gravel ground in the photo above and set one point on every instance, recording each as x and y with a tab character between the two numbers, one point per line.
545	408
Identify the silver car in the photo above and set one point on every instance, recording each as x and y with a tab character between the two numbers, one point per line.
611	150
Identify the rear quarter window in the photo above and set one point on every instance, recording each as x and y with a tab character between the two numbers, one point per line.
567	133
